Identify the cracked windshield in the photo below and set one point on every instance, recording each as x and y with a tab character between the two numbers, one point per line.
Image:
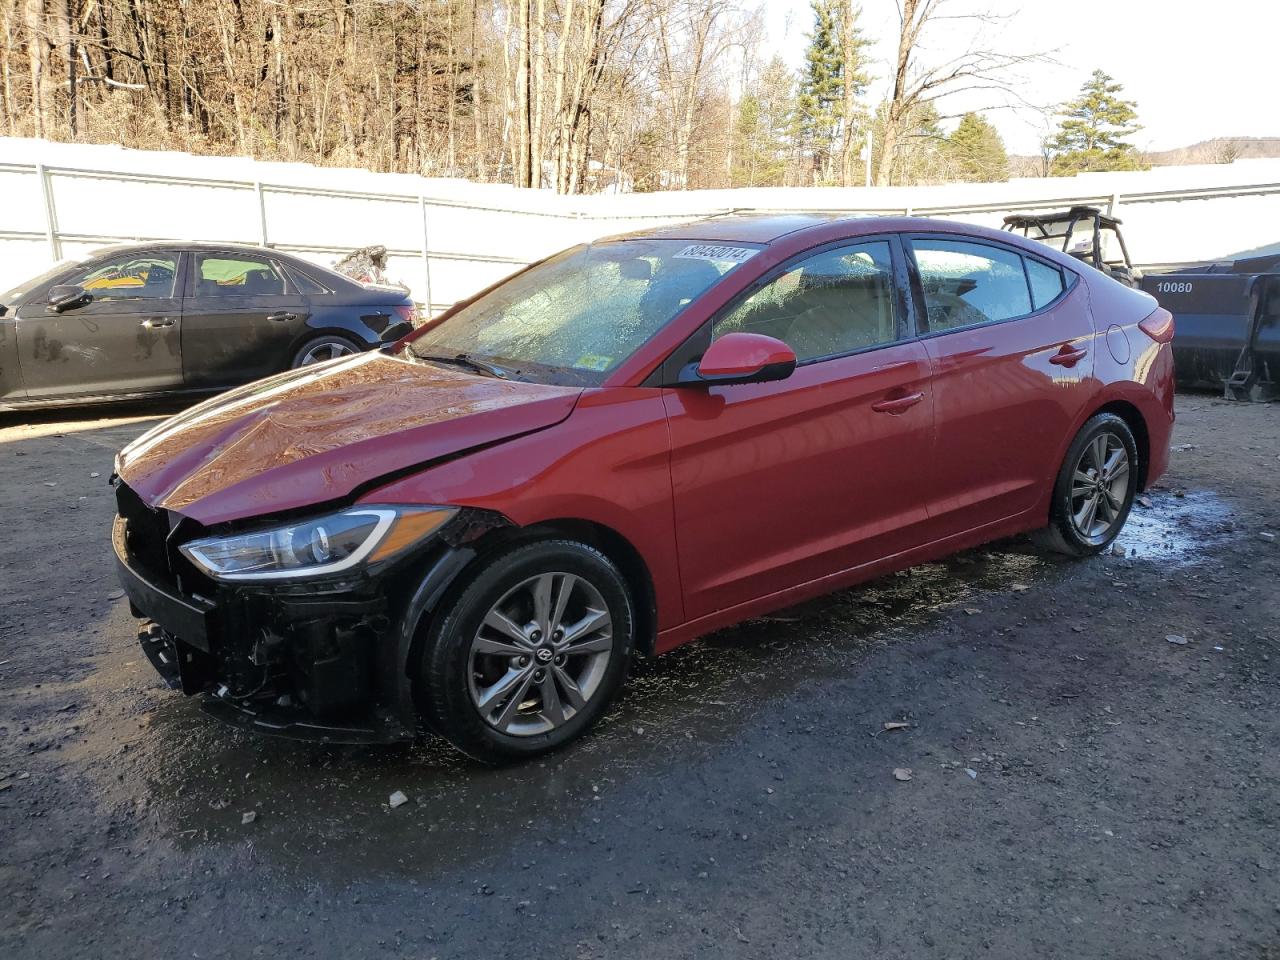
580	314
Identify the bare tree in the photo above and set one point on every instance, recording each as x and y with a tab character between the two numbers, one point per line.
917	84
570	94
35	52
691	37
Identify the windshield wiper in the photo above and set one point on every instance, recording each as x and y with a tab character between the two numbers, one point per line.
471	363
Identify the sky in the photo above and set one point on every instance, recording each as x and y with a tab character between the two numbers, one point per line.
1197	70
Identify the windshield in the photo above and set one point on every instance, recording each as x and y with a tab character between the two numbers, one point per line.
577	316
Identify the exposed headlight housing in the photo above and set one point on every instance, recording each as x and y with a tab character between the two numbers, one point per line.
316	547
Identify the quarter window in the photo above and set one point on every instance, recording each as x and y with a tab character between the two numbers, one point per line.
1046	283
968	283
305	283
835	302
236	276
134	277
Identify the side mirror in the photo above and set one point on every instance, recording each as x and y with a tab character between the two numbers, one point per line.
67	297
744	358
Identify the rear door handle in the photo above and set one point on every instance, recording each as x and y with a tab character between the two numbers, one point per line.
152	323
897	404
282	317
1067	356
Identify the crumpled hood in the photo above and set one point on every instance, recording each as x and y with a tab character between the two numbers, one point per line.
315	434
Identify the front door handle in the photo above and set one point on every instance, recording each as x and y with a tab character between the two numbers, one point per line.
282	317
897	404
1068	356
151	323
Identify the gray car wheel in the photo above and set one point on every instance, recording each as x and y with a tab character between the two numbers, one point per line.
1095	488
322	349
531	652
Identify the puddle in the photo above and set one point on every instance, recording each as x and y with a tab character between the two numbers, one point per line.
1176	529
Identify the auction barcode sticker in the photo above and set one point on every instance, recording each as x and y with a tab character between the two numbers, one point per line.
708	251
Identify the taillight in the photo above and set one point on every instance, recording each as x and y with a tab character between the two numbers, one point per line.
408	313
1158	326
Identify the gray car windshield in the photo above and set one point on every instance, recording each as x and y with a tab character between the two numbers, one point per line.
577	316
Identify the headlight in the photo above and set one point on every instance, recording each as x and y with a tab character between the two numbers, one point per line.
312	548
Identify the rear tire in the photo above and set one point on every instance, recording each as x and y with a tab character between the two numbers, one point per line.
1094	490
321	349
514	666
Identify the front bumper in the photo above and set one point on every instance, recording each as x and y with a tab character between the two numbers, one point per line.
193	619
322	665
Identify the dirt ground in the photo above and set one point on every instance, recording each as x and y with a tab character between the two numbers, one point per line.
1081	786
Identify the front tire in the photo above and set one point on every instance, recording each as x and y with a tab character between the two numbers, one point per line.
530	654
1095	488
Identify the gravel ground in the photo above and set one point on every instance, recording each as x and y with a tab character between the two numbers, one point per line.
1080	786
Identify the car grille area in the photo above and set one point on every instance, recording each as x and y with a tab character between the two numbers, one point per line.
308	653
146	534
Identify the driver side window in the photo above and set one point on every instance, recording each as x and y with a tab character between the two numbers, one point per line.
131	277
833	303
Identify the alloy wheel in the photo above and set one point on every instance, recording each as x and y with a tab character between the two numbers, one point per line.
540	654
327	350
1099	487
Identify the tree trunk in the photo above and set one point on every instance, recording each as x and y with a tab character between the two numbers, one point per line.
35	50
559	111
477	134
523	170
583	85
849	50
538	96
898	107
888	155
7	70
277	50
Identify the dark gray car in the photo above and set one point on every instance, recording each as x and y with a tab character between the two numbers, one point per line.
167	318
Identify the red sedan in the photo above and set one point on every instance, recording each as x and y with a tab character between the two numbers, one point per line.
620	448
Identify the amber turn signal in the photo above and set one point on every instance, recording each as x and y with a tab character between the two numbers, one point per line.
408	529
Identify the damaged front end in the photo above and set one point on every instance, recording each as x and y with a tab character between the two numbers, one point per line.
303	628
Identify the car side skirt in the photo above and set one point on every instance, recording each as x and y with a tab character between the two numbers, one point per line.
685	632
94	399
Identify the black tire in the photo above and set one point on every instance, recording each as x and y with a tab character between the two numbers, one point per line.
448	678
1064	534
338	346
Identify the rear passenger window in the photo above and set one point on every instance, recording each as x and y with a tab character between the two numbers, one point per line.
1046	283
835	302
236	276
968	283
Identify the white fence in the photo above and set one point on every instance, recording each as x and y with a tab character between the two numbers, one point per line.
448	238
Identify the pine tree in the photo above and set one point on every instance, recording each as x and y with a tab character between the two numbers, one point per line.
820	87
976	151
766	115
1094	125
820	108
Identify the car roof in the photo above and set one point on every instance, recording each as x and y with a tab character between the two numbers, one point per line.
183	245
295	262
756	228
797	231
